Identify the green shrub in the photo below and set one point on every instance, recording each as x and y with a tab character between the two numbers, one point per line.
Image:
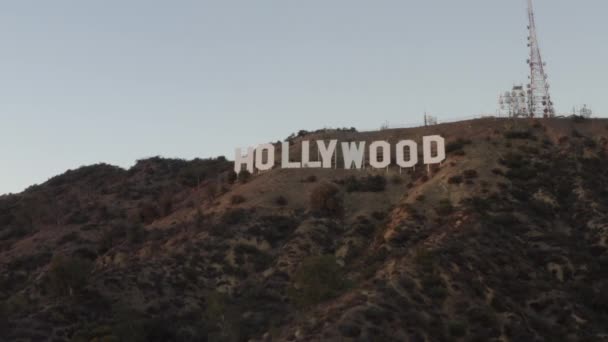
455	180
135	233
131	232
274	228
483	316
237	199
375	183
577	118
396	179
29	262
258	258
85	253
589	143
457	146
325	200
425	261
541	208
3	318
499	304
165	204
505	219
444	208
435	288
222	316
199	218
244	176
148	212
366	184
513	160
319	278
519	134
17	304
310	179
379	215
523	173
234	216
457	328
470	174
193	173
498	172
68	275
576	134
111	237
216	305
478	204
280	201
77	217
232	177
13	233
134	327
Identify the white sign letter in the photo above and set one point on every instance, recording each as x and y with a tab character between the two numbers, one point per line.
327	152
259	156
285	163
427	149
240	159
373	154
353	153
306	156
413	152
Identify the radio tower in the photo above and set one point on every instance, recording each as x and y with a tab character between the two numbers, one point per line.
539	100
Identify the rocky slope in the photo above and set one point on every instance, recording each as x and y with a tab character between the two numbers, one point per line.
505	241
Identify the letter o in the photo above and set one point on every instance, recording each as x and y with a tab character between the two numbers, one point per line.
400	153
259	157
373	154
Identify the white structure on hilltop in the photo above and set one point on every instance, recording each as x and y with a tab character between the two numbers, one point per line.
429	120
514	103
585	112
539	100
538	103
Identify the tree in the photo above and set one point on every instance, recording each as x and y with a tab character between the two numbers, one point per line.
325	200
318	279
232	177
3	318
244	176
444	208
68	275
135	233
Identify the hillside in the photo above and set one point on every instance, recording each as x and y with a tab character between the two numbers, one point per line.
504	241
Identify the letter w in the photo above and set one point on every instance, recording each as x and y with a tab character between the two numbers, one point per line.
353	154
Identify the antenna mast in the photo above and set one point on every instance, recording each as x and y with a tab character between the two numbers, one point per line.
539	100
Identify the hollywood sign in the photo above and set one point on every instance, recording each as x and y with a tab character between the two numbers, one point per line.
405	152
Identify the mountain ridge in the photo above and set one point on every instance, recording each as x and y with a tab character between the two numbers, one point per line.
504	241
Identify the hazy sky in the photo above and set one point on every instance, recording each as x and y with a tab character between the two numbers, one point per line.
114	81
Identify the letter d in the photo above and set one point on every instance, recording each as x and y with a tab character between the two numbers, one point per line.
427	143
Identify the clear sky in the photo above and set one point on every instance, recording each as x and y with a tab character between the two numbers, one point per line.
118	80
